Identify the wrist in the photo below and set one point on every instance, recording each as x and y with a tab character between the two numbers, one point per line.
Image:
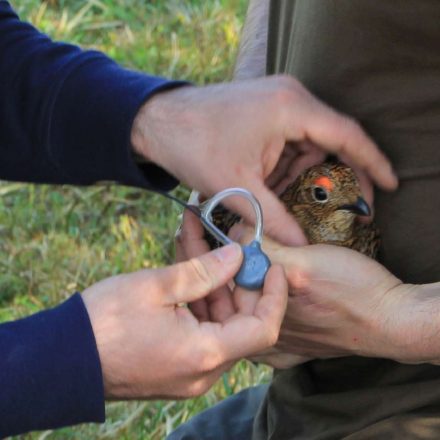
415	336
151	132
103	325
142	143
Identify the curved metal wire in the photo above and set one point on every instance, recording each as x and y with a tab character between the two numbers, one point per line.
209	206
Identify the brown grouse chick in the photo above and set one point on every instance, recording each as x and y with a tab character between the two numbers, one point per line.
325	200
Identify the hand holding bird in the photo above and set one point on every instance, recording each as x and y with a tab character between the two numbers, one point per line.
233	135
341	303
326	200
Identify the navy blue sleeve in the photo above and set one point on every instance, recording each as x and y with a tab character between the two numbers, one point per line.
66	114
50	373
65	117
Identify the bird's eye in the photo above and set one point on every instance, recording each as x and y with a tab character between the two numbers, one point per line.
319	194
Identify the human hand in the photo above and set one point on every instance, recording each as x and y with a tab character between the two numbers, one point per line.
230	135
152	347
300	156
225	301
342	303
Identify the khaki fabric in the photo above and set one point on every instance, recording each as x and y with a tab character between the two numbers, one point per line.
379	61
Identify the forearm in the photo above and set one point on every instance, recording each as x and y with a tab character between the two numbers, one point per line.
251	59
418	334
65	113
50	371
405	324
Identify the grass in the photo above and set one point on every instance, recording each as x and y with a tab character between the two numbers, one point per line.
55	239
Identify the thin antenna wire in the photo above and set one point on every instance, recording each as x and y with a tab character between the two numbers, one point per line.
194	209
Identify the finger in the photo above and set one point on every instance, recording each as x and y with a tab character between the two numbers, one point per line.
180	251
243	234
340	135
281	361
190	229
191	237
188	235
246	300
290	153
243	336
197	277
278	223
218	305
272	304
200	310
314	157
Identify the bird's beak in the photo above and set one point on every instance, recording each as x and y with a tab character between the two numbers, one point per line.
360	207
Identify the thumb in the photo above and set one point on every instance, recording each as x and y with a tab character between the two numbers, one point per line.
278	223
244	335
194	279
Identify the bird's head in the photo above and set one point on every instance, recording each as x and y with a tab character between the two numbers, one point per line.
326	199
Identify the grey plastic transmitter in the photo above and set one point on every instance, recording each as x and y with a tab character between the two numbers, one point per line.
256	263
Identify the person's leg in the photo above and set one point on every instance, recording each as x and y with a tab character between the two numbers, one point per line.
230	419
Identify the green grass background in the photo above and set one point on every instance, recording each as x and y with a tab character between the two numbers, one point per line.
55	240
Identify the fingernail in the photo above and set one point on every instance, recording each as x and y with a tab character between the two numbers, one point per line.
228	253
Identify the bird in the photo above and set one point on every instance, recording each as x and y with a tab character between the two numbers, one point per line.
326	200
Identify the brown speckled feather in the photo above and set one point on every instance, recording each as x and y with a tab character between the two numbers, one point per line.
366	239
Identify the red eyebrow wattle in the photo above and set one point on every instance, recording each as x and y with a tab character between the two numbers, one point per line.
325	182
